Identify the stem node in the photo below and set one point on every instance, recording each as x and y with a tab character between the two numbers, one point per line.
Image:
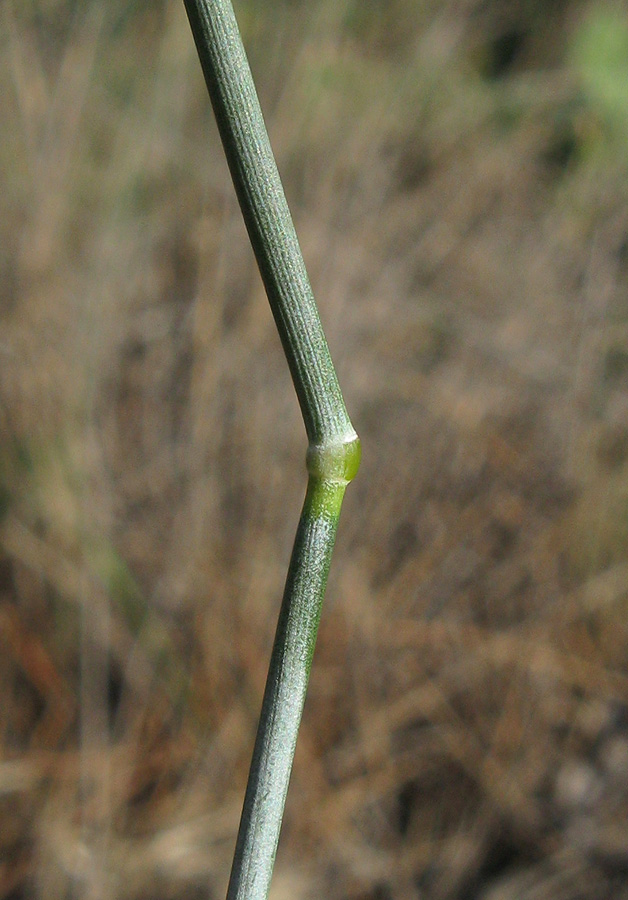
334	460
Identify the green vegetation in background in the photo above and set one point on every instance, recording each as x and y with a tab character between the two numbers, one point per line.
598	54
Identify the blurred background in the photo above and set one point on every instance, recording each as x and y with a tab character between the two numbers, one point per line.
457	170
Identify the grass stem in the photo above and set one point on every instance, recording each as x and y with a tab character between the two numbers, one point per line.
334	449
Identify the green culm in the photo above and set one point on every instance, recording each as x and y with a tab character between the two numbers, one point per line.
333	446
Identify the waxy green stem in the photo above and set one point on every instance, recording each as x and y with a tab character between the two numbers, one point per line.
334	449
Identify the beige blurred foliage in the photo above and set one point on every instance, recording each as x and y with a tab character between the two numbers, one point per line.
458	182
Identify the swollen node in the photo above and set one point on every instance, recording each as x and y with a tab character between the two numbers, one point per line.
335	461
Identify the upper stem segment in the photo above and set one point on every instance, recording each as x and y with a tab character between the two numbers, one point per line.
268	220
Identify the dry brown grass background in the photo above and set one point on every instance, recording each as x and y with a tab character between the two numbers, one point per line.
458	180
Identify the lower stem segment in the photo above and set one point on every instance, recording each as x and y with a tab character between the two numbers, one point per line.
284	696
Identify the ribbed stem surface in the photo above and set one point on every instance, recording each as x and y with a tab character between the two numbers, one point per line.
284	696
267	217
334	449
